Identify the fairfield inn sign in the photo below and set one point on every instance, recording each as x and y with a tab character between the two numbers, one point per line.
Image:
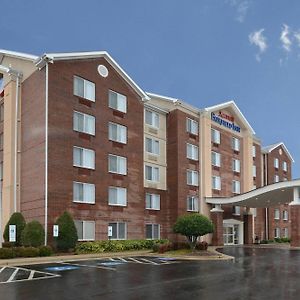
225	120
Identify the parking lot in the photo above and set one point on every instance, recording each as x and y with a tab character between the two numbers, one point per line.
255	274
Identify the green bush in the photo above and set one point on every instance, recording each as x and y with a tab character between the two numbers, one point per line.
7	253
67	236
116	246
18	220
45	251
33	234
28	252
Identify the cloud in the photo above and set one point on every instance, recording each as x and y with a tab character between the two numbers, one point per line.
285	39
258	39
241	7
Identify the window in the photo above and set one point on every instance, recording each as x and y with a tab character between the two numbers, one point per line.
235	143
117	133
1	141
276	214
84	158
191	151
236	165
284	166
236	187
254	171
237	210
152	146
276	163
119	231
253	151
83	123
215	136
152	173
216	159
152	231
85	230
192	177
117	101
84	88
117	196
117	164
277	232
192	203
216	183
276	178
192	126
83	192
152	201
285	215
285	232
152	118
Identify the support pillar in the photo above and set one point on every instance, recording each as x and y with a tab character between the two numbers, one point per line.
248	228
216	215
295	219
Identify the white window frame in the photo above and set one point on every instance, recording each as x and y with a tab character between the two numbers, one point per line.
85	83
119	192
253	151
152	227
84	152
276	214
285	215
236	144
254	171
121	133
155	146
118	231
119	159
194	177
192	151
194	203
236	187
85	186
153	175
237	210
216	159
121	101
216	183
236	165
153	200
192	126
276	163
285	232
277	232
276	178
215	136
85	121
84	230
284	166
154	118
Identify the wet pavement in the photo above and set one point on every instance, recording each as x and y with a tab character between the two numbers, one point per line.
255	274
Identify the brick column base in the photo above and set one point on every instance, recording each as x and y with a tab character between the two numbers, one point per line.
295	225
248	229
217	219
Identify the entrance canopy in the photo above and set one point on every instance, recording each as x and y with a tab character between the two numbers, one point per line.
269	195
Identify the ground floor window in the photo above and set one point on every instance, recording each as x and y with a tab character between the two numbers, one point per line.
285	232
192	203
119	230
277	232
152	231
85	230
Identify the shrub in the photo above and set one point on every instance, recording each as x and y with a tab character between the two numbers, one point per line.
45	251
67	236
28	252
202	245
7	253
33	234
8	245
18	220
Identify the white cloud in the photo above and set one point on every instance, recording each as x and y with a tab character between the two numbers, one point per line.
241	7
258	39
285	39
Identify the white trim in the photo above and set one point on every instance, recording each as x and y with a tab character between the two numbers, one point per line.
16	54
270	148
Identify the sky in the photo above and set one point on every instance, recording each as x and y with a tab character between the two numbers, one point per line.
203	52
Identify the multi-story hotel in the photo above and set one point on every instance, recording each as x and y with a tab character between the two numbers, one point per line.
78	134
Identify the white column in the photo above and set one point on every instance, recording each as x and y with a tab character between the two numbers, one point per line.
217	208
296	199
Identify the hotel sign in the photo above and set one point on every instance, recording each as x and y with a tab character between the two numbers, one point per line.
225	120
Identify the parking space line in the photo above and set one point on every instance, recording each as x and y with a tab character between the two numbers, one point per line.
13	275
111	259
88	266
149	261
122	259
137	261
2	269
31	275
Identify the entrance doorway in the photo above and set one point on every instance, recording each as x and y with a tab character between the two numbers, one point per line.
233	232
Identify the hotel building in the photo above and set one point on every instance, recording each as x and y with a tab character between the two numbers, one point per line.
78	134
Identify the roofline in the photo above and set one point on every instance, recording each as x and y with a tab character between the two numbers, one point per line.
156	108
21	55
264	150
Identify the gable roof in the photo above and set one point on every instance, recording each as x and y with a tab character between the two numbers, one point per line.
19	55
231	104
270	148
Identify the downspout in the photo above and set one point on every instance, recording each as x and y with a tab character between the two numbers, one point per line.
265	183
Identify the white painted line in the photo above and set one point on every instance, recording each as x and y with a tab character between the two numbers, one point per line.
2	269
122	259
137	261
149	261
89	266
13	275
31	275
110	258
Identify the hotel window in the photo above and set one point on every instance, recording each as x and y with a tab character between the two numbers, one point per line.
254	212
83	123
285	232
192	203
285	215
117	196
117	133
84	88
276	178
216	183
235	144
83	192
254	171
192	177
276	163
215	136
191	151
119	230
153	201
152	146
216	159
84	158
152	173
284	166
191	126
276	214
277	232
117	164
236	187
152	118
117	101
85	230
152	231
1	141
237	210
236	165
253	151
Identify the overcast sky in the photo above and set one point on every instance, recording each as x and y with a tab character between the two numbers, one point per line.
202	51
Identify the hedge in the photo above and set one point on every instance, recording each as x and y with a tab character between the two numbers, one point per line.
33	234
13	252
18	220
115	246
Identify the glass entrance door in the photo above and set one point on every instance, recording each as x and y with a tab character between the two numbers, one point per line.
230	234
